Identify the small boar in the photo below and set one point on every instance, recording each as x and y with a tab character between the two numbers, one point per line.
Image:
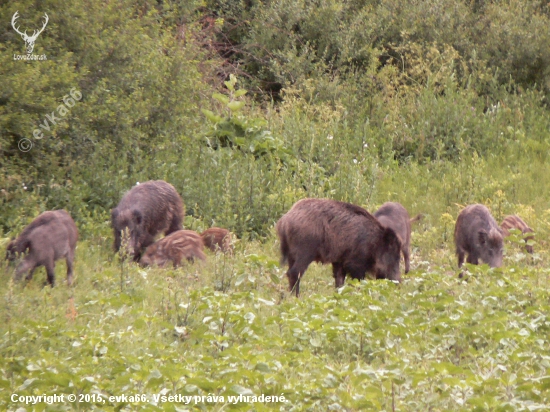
395	216
174	247
515	222
343	234
49	237
478	234
146	210
216	239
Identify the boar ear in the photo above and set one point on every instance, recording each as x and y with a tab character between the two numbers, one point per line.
390	235
137	216
24	245
482	236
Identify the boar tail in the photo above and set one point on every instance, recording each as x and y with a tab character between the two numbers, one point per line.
285	249
417	218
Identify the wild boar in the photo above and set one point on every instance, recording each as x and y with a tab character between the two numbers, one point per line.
395	216
174	247
49	237
340	233
146	210
217	239
515	222
478	234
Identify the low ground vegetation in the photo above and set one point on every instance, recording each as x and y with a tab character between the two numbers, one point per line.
229	326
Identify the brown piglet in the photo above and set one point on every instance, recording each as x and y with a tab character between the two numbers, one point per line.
179	245
218	239
515	222
49	237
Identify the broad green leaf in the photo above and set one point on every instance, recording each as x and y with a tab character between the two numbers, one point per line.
235	105
241	390
211	116
221	98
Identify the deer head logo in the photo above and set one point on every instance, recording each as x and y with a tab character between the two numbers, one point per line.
29	40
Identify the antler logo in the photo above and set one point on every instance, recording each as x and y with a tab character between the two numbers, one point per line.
29	40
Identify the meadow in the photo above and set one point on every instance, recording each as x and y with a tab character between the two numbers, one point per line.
229	327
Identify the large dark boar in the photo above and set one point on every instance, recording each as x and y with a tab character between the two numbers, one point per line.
49	237
478	234
395	216
174	248
217	239
515	222
146	210
343	234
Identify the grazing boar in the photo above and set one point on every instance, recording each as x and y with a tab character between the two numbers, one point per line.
343	234
174	247
216	239
49	237
478	234
146	210
515	222
395	216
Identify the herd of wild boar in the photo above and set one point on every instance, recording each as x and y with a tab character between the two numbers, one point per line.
353	240
144	212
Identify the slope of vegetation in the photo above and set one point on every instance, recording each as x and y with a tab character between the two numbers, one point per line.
228	327
340	95
246	107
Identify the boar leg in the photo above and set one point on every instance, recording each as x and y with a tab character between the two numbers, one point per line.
529	248
295	272
407	257
136	255
116	244
293	278
69	261
338	273
50	270
30	274
472	258
460	258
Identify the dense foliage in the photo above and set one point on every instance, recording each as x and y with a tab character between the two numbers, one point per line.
354	86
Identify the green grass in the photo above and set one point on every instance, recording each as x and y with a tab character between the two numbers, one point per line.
228	327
